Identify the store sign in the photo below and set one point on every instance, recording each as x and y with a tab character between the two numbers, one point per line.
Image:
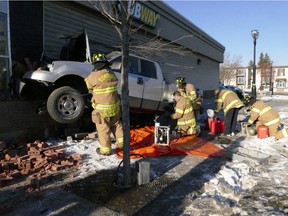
142	13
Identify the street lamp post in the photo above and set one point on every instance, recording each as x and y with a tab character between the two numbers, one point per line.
271	77
255	35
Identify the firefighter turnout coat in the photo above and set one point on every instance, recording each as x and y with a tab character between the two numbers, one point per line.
226	99
186	122
106	104
191	93
263	114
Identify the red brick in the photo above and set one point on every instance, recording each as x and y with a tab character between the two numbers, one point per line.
7	157
24	172
55	167
22	164
76	157
33	151
67	163
42	145
41	164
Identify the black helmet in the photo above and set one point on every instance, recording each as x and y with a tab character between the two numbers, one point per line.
99	57
179	80
249	100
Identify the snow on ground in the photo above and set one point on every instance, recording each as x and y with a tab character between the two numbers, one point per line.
239	188
243	188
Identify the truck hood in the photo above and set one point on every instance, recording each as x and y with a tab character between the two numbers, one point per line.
59	69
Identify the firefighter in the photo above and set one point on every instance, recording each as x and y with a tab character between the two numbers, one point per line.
189	91
106	103
186	122
231	104
281	134
263	114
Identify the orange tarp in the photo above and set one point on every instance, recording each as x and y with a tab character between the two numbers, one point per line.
142	143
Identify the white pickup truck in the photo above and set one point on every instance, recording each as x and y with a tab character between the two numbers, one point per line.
62	88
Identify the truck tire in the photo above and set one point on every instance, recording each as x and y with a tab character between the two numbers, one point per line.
65	105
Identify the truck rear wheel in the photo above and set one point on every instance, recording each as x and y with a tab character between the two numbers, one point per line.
65	105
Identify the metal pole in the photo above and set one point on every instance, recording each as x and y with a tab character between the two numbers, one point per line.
270	84
255	35
254	72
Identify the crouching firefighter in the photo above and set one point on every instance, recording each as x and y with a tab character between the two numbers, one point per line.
189	91
186	122
263	114
106	104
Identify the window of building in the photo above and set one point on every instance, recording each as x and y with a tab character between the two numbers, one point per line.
4	56
281	84
240	72
281	72
240	80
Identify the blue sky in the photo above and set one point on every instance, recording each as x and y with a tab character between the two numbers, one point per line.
230	23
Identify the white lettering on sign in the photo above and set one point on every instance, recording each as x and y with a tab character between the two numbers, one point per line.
142	13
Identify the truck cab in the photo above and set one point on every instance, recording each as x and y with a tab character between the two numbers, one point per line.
60	84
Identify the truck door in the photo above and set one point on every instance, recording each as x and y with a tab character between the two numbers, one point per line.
153	85
135	81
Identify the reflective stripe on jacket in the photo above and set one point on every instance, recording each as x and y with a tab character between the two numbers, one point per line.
263	113
184	112
105	96
191	93
226	100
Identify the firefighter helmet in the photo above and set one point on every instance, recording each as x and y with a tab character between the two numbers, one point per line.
99	57
249	100
179	80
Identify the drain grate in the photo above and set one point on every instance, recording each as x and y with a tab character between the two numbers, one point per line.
99	188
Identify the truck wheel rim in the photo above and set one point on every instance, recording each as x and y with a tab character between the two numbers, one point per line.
67	105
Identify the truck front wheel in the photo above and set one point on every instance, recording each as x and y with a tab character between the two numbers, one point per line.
65	105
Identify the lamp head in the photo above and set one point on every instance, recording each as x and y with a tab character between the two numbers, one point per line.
254	34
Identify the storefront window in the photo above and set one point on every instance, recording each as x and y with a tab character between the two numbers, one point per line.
3	35
3	73
4	58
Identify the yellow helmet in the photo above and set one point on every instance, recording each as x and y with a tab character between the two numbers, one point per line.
179	80
98	57
249	100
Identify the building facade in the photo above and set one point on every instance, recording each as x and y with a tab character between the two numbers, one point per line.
40	29
273	79
5	55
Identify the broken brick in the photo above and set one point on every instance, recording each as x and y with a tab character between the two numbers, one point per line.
24	172
67	163
76	157
55	167
7	157
38	157
33	151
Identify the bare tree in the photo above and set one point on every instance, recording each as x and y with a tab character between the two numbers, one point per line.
229	67
120	18
121	21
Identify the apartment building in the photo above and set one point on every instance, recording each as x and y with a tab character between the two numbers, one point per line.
275	76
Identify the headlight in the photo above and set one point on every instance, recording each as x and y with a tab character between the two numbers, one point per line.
50	66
